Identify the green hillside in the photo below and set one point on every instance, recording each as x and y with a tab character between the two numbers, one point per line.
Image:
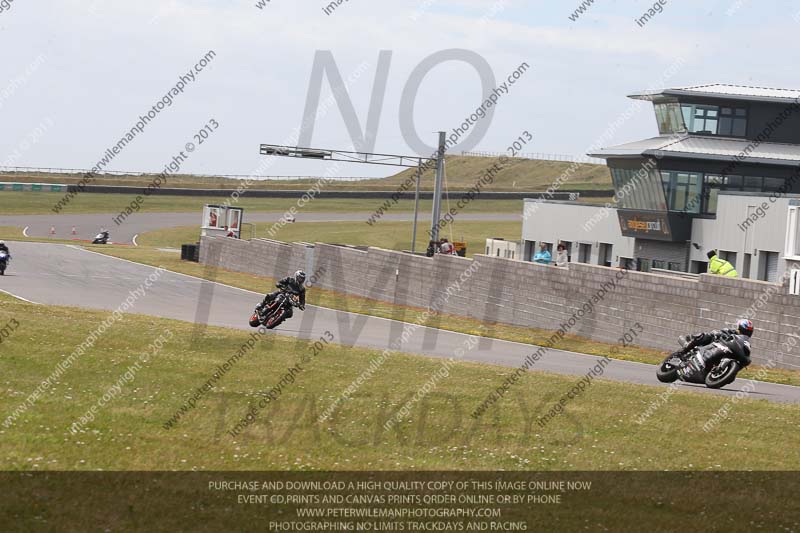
462	173
518	175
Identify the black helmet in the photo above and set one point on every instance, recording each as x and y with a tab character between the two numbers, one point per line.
711	253
745	327
300	277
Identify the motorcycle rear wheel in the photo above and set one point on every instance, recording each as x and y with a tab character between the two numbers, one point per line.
667	373
726	377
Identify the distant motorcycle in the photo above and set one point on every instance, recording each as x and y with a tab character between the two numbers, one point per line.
4	260
714	366
101	238
275	313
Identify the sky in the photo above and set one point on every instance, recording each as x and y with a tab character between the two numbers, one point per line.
77	75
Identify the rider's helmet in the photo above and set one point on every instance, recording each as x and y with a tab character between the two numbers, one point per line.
300	277
2	243
745	327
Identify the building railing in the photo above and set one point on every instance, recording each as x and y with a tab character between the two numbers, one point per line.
676	273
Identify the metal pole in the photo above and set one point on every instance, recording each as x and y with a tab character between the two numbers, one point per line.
416	209
437	189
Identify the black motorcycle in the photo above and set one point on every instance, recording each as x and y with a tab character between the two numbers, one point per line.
275	313
714	366
101	238
4	259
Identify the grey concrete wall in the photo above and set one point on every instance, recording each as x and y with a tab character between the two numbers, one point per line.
602	303
262	257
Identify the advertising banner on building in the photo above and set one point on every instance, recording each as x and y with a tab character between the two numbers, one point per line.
645	224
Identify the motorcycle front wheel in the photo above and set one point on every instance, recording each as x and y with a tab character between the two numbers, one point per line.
275	320
667	372
721	375
254	321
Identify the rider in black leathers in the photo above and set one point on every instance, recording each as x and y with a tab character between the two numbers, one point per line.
4	248
743	327
292	285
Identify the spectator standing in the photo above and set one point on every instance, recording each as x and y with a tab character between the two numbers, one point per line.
432	249
720	267
543	256
561	255
447	247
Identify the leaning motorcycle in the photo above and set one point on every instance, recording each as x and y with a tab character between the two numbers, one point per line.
714	366
4	259
101	238
275	313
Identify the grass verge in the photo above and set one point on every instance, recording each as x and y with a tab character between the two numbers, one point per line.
41	203
599	430
389	235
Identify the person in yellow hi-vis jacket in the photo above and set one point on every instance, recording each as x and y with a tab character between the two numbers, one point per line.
720	267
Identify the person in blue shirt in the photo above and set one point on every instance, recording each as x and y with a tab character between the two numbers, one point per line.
543	256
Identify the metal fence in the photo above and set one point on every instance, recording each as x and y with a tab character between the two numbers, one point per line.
35	187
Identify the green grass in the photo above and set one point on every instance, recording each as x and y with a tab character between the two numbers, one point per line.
518	175
389	235
462	173
11	233
33	203
597	432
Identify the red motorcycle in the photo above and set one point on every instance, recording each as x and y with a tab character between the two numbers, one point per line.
276	312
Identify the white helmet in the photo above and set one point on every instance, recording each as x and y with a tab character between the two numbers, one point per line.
2	243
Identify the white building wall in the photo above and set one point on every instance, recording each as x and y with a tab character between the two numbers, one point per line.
502	248
767	233
554	221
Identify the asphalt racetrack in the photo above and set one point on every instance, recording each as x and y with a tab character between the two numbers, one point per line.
59	274
88	225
